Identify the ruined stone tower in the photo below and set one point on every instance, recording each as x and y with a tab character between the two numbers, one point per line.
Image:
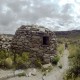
39	41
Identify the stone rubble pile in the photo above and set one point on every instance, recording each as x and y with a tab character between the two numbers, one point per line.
5	41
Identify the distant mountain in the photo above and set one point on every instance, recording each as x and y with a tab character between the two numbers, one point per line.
68	34
9	35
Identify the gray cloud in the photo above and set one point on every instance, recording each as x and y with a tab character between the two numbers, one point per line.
49	13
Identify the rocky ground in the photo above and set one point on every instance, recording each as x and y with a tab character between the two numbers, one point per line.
55	74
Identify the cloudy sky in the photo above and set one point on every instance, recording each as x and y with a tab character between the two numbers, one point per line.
53	14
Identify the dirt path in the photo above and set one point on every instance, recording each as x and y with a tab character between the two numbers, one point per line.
57	73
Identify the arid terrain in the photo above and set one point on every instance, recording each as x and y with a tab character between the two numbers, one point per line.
58	71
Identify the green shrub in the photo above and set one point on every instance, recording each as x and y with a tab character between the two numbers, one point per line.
8	62
19	62
60	48
25	56
2	63
2	54
55	59
21	74
76	64
38	63
5	59
47	69
74	59
22	61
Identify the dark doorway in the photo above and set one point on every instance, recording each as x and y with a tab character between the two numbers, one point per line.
45	40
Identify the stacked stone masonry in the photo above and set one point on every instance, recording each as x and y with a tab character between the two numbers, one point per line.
39	41
5	41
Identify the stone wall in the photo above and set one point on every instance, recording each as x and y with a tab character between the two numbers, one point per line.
5	41
30	38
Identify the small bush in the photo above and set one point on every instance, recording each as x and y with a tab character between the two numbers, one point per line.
60	48
5	59
8	62
25	56
21	74
55	59
2	54
21	61
2	63
47	69
38	63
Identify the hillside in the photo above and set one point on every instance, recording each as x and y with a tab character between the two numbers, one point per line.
68	34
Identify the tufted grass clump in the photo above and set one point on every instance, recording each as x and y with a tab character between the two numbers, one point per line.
48	69
55	59
60	48
21	74
8	62
22	61
38	63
